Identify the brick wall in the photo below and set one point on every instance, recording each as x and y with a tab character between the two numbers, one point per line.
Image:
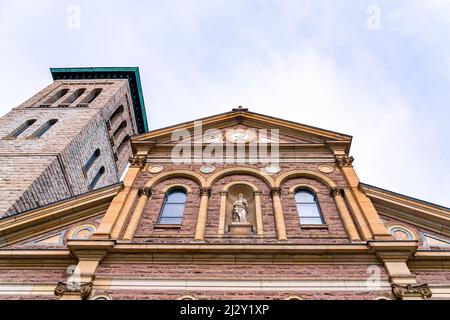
32	175
242	295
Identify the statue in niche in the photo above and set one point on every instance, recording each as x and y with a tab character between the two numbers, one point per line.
240	210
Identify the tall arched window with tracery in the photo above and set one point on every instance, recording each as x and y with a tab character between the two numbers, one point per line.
308	207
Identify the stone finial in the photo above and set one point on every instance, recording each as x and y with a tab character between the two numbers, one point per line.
240	108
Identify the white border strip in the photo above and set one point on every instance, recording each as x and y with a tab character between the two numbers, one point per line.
246	285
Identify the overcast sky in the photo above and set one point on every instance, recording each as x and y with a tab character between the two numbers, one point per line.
377	70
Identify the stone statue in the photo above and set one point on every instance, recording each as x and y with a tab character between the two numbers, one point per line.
240	207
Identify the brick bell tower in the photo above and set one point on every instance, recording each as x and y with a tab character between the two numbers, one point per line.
71	137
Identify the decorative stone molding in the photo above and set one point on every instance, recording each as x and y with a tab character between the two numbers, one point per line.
275	192
344	161
409	290
145	192
205	192
334	192
136	161
82	289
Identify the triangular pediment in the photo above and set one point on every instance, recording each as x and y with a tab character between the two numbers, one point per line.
424	215
239	119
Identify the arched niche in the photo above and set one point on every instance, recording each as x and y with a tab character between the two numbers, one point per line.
252	196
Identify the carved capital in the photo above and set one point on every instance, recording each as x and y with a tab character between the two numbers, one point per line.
411	291
205	192
334	192
81	289
344	161
136	162
275	192
145	192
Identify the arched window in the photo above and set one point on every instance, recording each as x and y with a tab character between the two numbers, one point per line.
91	161
74	96
90	97
123	144
173	207
58	95
308	207
116	114
97	178
120	129
44	128
17	132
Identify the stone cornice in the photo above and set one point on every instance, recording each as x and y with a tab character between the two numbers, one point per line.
415	211
22	226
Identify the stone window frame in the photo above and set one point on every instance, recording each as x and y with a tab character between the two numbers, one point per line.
43	129
55	96
187	189
90	162
299	186
20	130
97	177
73	95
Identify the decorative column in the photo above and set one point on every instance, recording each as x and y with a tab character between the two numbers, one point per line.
259	223
364	205
278	212
202	214
105	228
347	221
144	194
222	214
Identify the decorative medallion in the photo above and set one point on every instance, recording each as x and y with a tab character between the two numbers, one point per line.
82	232
155	169
400	233
207	169
326	169
272	169
240	135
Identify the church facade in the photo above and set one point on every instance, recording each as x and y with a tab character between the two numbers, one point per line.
237	205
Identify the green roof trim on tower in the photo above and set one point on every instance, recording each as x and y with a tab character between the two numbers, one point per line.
130	73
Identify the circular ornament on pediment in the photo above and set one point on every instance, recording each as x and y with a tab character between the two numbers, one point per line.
272	169
82	232
326	169
207	169
240	135
400	233
155	169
